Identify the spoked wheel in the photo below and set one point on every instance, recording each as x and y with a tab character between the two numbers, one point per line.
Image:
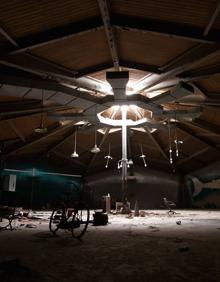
55	219
4	222
80	222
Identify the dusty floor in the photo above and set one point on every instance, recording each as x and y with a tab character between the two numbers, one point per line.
152	248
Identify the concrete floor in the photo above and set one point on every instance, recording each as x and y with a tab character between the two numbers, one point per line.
151	248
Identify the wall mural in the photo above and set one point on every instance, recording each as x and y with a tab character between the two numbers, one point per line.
205	194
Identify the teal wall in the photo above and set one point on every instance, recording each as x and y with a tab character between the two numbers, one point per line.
47	189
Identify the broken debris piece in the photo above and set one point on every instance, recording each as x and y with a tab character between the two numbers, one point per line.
31	225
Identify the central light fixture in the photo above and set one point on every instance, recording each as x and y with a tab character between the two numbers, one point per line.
120	122
74	154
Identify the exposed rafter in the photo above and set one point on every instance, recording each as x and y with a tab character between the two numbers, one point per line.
8	37
48	84
57	34
212	19
37	140
179	65
201	73
7	115
169	29
204	125
139	66
52	148
184	128
153	139
192	156
16	130
37	67
93	69
104	9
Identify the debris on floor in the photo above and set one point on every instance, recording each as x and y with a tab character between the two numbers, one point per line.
154	228
130	215
178	222
142	213
31	225
43	215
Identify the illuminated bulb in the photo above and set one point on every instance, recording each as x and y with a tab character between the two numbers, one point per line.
74	155
95	149
108	157
177	153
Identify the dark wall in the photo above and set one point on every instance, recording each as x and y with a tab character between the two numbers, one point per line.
42	190
148	189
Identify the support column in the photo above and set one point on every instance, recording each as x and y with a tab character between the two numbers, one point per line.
124	153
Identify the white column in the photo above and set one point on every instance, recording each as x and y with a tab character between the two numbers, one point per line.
124	152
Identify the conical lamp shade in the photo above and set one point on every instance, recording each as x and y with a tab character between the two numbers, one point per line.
74	155
95	149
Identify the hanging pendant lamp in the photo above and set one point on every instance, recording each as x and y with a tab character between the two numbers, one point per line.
170	146
108	157
143	156
41	128
95	149
74	154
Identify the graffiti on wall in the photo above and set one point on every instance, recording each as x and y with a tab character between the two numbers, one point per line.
205	194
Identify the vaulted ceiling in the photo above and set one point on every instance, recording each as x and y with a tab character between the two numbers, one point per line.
53	64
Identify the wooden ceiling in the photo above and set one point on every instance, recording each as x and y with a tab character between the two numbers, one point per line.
49	45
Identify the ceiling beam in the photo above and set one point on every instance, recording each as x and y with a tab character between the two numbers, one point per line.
139	66
212	19
153	139
93	69
179	65
57	34
104	9
36	66
7	36
201	73
168	29
48	84
192	156
37	140
7	115
183	126
16	130
204	125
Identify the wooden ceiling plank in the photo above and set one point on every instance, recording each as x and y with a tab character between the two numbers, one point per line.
164	28
16	130
57	34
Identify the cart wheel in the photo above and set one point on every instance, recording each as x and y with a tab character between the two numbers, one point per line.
57	215
81	221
